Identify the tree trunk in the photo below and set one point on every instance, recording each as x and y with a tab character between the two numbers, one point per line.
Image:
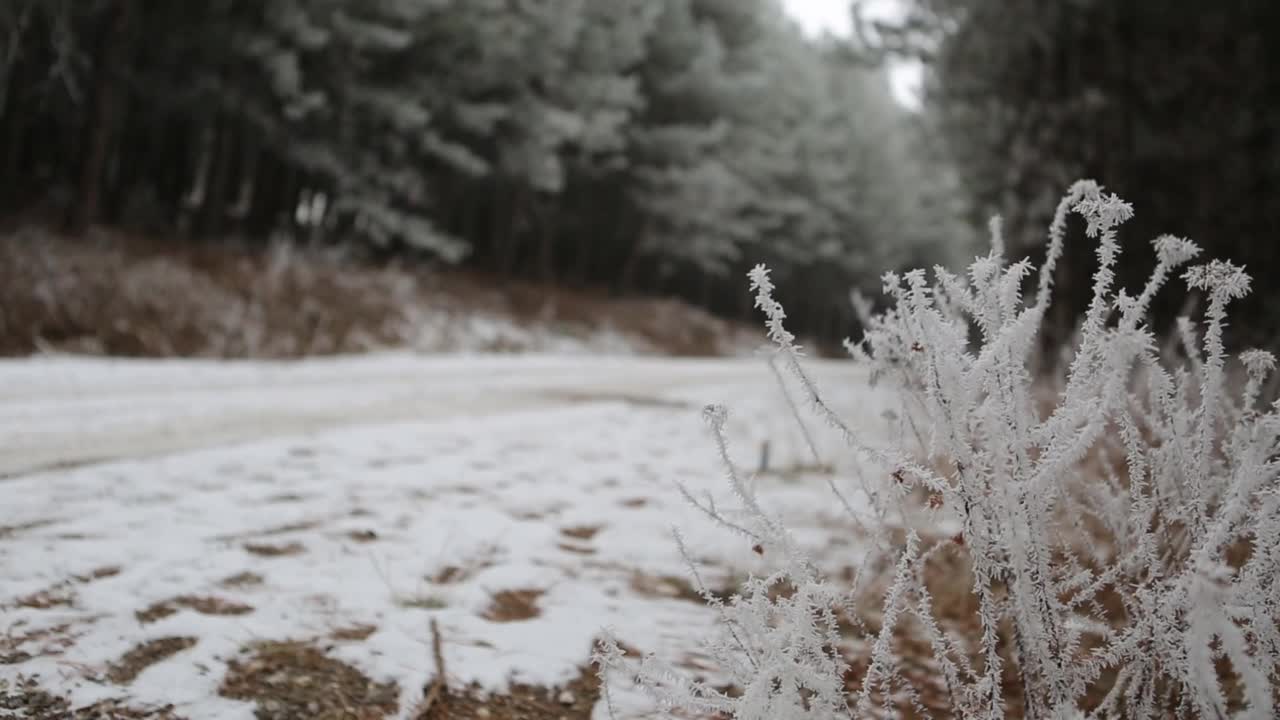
630	271
13	125
292	199
581	269
197	196
507	228
265	199
629	276
546	222
497	227
215	206
105	115
746	305
12	50
246	185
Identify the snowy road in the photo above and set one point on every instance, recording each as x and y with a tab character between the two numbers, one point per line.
160	520
67	412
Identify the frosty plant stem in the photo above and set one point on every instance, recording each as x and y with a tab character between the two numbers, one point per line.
1124	546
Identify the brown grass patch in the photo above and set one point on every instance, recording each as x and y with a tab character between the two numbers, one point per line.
242	580
285	529
296	681
124	295
354	633
120	294
204	605
449	574
576	549
362	536
666	325
581	532
949	579
213	605
78	536
143	656
285	498
11	531
62	594
46	641
98	574
792	473
513	606
421	602
668	586
57	596
28	700
269	550
948	576
13	657
917	670
678	588
572	701
644	401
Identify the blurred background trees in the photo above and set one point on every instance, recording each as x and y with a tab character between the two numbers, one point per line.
648	146
1173	105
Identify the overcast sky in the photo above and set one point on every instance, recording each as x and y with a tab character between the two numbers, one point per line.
832	16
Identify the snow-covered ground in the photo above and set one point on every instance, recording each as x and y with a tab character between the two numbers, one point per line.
297	501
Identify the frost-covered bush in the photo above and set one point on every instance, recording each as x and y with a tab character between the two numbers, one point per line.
1123	544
